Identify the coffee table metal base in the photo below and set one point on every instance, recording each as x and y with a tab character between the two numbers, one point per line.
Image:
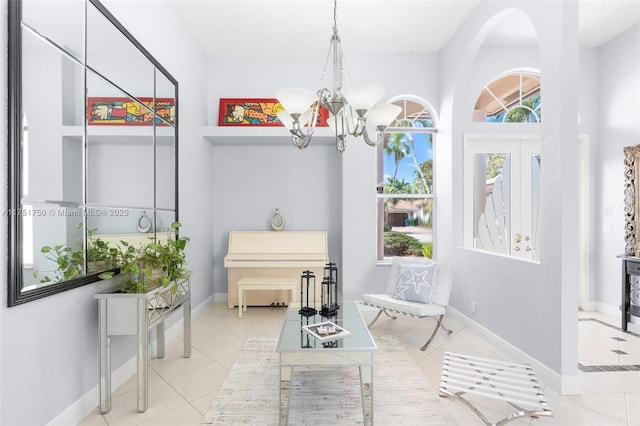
361	359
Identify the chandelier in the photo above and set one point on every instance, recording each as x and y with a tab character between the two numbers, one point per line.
353	107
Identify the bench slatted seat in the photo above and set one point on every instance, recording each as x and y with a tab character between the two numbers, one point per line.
513	383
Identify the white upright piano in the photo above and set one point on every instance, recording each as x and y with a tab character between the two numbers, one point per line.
274	254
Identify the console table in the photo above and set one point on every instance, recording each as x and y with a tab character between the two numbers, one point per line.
630	288
126	314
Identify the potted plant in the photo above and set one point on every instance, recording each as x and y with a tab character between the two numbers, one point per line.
70	262
158	263
153	284
100	255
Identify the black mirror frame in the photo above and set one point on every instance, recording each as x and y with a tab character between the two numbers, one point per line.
16	295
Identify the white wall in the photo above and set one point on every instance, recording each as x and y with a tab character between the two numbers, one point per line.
49	347
346	183
588	128
619	118
253	179
540	300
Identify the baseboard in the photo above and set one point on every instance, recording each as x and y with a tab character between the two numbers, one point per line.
614	311
221	297
607	309
195	312
562	384
80	409
590	306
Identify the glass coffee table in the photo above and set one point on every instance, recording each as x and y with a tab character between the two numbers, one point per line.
297	348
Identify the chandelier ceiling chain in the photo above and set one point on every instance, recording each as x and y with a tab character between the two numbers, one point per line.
353	107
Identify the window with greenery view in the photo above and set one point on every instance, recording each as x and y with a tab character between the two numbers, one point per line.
405	184
513	97
502	194
502	170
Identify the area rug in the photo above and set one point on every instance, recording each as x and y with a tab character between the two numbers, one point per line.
319	396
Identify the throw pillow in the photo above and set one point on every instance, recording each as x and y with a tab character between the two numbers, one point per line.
414	282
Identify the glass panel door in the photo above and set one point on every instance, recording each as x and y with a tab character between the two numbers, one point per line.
502	195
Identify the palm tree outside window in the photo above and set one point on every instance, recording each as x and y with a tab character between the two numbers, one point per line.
513	97
405	183
502	188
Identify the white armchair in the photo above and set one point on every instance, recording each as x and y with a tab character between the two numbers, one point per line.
418	288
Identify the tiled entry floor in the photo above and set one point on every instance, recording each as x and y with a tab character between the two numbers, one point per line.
181	389
604	347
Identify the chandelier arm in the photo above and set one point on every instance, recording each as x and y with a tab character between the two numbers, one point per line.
348	130
314	116
298	133
313	121
361	127
378	139
300	142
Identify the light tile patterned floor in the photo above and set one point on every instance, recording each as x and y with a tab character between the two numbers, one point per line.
180	390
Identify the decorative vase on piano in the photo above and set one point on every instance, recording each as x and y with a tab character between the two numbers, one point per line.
277	221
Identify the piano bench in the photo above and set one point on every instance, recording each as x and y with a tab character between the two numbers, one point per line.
264	283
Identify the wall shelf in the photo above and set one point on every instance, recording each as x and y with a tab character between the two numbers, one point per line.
246	135
139	135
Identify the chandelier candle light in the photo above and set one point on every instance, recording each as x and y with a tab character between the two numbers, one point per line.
352	106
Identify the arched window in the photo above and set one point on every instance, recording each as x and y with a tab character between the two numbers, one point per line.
405	182
502	171
512	97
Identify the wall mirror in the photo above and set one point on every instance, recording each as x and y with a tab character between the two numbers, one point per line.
93	144
631	199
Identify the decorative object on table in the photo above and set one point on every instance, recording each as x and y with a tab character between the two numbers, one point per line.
256	112
122	111
329	297
144	223
277	221
325	331
352	106
307	281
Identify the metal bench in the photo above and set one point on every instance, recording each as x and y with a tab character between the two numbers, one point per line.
513	383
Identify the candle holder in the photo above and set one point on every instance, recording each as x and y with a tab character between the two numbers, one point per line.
307	279
329	297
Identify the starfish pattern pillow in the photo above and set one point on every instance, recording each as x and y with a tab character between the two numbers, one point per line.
414	282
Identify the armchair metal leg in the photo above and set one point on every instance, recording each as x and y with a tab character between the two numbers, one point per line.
378	316
435	330
445	328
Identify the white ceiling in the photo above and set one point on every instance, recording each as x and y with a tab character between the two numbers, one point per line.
302	28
